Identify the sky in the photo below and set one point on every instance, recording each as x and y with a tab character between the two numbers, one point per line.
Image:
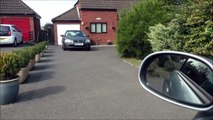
49	9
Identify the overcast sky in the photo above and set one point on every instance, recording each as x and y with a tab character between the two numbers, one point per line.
49	9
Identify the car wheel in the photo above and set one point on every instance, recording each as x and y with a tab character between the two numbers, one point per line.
89	48
15	43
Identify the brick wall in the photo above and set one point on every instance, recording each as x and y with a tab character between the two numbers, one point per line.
100	16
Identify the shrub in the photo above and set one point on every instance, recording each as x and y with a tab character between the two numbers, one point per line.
132	40
198	29
31	52
38	48
8	66
23	57
164	37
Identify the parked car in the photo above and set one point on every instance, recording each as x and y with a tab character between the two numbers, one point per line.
75	39
10	34
180	78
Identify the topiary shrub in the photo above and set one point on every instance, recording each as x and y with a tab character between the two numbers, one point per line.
23	57
8	66
31	52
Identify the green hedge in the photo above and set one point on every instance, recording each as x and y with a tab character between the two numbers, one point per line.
132	39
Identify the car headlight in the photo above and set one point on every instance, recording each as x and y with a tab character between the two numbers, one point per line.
87	41
68	41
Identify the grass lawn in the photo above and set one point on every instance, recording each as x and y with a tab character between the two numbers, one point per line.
135	62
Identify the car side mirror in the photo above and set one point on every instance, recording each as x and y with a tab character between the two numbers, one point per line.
63	36
180	78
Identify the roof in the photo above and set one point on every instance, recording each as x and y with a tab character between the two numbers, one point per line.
70	15
106	4
16	7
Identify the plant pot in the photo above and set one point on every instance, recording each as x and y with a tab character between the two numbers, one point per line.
9	91
37	57
31	64
23	74
42	53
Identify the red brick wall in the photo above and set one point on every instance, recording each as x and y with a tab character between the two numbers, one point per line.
109	17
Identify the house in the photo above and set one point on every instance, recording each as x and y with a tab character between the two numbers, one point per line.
96	18
18	13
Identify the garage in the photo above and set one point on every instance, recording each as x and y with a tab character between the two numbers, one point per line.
18	13
22	23
69	20
61	29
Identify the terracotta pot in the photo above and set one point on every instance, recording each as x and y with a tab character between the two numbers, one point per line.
37	57
9	91
23	74
31	64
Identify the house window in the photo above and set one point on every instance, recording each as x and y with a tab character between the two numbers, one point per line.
98	27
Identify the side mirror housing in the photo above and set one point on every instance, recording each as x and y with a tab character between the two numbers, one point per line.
180	78
63	36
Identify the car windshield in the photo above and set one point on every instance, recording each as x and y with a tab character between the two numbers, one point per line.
75	34
4	30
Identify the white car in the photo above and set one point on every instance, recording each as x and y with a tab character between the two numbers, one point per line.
10	34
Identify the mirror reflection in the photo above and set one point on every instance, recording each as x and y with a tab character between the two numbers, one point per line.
181	78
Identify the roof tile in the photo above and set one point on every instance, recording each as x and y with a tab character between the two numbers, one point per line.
16	7
70	15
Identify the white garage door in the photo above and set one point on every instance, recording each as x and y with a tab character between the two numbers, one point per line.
61	29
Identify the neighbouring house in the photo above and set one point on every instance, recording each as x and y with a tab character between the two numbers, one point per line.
18	13
96	18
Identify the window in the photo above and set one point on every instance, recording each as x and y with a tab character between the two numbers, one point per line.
16	29
98	27
73	33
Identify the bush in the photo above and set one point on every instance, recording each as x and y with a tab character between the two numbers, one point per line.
31	52
164	37
132	39
8	66
38	48
198	29
23	57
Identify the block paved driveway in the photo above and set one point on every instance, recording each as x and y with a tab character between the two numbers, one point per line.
93	84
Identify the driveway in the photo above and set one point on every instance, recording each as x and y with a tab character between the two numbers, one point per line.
93	84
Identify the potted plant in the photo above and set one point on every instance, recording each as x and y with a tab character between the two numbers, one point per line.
38	49
31	54
9	81
43	46
23	58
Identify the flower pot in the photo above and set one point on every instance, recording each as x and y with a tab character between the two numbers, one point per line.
37	57
42	53
23	74
31	64
9	91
